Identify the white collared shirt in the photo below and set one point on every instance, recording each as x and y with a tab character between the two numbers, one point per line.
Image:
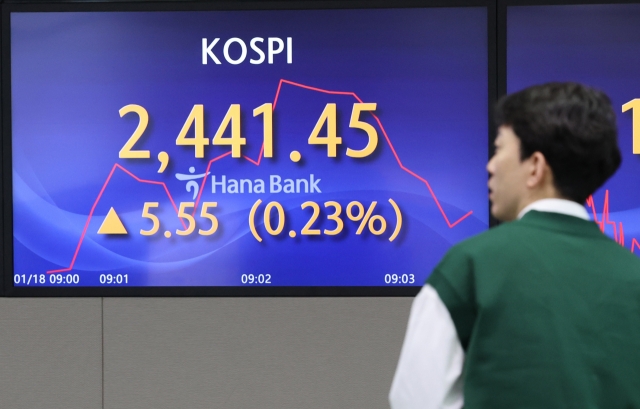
562	206
429	372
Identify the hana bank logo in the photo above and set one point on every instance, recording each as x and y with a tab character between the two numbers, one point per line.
191	179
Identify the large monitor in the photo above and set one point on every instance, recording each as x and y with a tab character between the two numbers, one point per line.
596	44
155	149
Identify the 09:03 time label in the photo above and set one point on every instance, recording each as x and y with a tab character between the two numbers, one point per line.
399	279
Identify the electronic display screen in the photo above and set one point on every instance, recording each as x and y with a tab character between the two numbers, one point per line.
255	148
596	45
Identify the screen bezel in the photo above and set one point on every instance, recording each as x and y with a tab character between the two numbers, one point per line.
6	223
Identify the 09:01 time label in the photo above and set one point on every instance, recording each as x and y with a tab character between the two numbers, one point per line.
107	279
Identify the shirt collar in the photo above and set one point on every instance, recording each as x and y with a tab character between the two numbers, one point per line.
561	206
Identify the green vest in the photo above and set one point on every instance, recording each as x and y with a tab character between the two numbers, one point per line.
547	309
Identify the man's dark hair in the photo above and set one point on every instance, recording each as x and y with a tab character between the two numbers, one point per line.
573	126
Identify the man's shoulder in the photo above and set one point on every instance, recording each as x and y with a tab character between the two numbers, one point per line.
550	233
491	244
495	238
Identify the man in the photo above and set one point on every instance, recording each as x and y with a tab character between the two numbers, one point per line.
542	311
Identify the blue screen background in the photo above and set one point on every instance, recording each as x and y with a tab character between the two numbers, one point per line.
71	73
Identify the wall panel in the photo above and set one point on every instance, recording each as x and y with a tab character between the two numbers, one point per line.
251	352
50	353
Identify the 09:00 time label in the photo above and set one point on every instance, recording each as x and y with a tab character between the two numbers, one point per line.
43	279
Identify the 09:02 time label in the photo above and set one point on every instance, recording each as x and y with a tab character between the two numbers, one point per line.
256	279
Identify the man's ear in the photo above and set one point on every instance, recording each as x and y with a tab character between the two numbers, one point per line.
538	171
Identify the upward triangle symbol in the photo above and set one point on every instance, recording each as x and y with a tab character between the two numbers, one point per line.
112	224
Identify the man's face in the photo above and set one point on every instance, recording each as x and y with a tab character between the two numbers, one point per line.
508	176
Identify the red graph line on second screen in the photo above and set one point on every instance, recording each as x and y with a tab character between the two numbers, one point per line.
257	163
618	229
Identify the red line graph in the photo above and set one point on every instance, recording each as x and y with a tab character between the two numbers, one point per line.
618	229
93	208
384	132
257	163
